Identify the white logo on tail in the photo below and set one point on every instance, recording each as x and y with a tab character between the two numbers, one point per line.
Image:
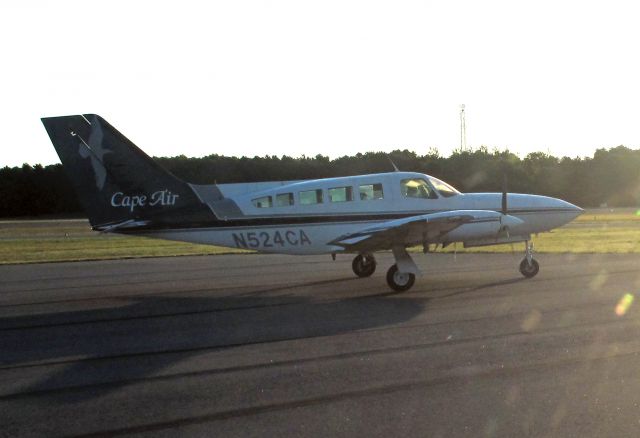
161	198
95	151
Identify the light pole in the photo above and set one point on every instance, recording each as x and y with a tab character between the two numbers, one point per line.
463	130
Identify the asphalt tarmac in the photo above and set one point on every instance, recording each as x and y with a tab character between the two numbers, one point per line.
268	345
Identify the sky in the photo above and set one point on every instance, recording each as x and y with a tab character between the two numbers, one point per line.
326	77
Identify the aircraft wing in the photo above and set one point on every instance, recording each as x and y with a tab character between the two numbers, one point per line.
413	230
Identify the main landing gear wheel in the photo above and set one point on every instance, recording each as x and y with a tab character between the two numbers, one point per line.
364	265
529	269
399	281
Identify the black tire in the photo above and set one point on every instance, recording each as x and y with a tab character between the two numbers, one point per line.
364	265
529	270
399	282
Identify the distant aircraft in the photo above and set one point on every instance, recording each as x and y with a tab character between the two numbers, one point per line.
124	191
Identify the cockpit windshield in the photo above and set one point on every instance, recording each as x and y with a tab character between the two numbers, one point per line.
417	188
443	188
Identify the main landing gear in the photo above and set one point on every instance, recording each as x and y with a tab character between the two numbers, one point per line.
364	265
529	266
400	276
399	281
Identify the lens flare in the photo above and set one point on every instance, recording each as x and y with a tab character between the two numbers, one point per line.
624	304
638	213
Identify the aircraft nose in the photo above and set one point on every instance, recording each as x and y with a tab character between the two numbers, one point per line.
572	210
561	212
541	213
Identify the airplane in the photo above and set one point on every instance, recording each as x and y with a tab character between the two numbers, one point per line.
125	191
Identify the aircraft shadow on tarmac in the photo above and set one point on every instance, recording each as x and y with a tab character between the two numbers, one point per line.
462	291
84	354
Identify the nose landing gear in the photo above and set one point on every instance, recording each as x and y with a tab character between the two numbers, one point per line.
529	266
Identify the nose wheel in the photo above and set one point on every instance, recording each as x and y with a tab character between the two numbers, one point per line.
529	269
364	265
529	266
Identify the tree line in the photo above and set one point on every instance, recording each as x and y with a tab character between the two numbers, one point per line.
611	177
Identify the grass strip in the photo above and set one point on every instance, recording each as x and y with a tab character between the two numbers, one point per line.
55	241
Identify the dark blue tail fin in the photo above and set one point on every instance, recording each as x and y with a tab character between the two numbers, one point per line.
117	183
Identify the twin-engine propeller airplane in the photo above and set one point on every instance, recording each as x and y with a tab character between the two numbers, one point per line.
124	191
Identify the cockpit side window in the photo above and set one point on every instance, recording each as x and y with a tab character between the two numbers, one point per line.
443	188
417	188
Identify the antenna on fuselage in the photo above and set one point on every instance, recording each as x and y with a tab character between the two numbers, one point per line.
395	168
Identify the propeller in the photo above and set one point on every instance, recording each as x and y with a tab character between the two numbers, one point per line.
504	209
504	194
507	221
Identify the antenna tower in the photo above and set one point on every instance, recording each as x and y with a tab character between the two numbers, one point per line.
463	130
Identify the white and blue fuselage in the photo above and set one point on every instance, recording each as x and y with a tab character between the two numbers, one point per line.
304	217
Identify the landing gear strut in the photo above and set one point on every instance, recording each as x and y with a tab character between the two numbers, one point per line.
529	266
364	265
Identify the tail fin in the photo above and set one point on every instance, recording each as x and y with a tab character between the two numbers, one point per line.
117	183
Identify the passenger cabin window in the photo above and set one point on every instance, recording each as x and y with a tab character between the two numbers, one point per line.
417	188
443	188
371	191
309	197
284	199
263	202
340	194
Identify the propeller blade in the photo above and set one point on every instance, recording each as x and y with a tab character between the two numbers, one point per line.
504	194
